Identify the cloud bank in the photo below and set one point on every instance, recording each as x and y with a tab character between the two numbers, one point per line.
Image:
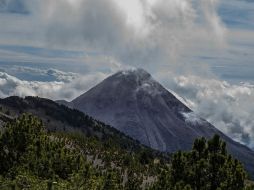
228	107
65	86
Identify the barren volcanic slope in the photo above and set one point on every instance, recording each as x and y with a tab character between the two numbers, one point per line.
133	102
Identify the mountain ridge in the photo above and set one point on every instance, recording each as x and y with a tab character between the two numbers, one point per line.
104	150
137	105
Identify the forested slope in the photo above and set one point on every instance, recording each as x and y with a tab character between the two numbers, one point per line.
65	149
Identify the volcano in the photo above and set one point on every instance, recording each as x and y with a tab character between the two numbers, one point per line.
135	103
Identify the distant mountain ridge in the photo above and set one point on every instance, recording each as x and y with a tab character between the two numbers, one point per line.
137	105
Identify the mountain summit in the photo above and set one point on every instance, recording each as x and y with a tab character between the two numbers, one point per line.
134	103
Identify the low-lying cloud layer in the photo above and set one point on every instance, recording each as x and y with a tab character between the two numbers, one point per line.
65	86
228	107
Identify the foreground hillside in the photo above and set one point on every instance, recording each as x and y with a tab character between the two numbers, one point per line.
105	148
65	149
33	158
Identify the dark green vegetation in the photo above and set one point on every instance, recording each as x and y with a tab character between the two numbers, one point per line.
73	151
33	158
206	167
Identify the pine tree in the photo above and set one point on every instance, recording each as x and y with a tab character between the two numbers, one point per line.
207	167
134	182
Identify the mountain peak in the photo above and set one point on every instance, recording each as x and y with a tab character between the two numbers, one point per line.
133	81
136	104
139	106
133	76
135	72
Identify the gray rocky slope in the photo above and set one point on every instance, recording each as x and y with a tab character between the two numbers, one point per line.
134	103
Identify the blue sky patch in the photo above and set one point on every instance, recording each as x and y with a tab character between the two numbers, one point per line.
13	6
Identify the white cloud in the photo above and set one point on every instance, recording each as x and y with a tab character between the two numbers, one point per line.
193	118
213	20
12	86
166	29
228	107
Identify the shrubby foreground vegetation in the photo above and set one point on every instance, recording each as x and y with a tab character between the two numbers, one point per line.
31	157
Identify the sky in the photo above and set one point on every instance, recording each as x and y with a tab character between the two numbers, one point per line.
201	50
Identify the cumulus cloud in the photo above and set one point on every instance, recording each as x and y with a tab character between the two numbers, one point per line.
228	107
160	33
12	86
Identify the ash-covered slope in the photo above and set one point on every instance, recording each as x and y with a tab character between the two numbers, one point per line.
134	103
